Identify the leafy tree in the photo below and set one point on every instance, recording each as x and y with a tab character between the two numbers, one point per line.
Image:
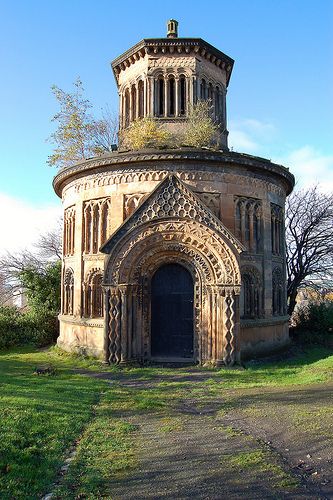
309	238
201	130
43	287
79	135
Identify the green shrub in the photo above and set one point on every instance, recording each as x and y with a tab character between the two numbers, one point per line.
145	133
32	327
314	322
200	129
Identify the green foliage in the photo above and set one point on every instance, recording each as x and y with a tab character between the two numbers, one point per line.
74	127
314	322
200	130
39	327
38	324
145	133
43	287
79	135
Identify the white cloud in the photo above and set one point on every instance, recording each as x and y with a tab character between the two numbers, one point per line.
309	167
21	223
250	135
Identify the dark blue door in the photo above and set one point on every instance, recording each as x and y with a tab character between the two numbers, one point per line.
172	312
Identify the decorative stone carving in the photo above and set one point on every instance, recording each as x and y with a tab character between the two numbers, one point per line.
131	202
212	201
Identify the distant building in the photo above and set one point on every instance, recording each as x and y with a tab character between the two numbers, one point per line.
178	254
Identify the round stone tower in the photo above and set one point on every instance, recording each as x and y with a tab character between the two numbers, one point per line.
173	254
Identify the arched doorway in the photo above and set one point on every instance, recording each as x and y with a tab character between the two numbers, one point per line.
172	312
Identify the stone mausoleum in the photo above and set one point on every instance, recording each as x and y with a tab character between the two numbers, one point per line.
173	254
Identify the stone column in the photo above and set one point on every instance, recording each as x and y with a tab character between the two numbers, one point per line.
124	325
115	311
106	291
229	347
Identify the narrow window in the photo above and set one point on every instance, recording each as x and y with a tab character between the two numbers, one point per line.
133	102
161	97
127	108
171	97
217	102
68	292
141	98
182	95
203	94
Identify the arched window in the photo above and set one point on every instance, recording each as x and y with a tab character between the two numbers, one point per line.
277	229
96	218
278	301
248	222
182	85
68	292
251	294
93	300
217	102
141	99
160	96
127	108
171	96
203	89
133	114
69	231
210	92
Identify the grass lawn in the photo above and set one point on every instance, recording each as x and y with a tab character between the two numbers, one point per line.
43	416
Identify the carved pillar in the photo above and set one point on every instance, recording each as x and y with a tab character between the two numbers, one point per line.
106	291
229	350
124	325
219	326
114	325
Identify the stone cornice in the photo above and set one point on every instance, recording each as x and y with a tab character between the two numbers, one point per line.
114	161
153	46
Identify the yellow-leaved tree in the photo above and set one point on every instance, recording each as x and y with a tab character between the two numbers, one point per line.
200	129
145	133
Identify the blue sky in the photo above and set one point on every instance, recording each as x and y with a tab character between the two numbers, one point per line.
280	98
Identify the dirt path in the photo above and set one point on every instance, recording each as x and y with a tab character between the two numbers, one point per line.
238	443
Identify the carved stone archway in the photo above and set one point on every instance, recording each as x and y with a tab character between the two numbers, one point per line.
201	244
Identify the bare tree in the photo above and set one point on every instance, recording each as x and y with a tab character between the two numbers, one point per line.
309	238
104	132
12	265
49	244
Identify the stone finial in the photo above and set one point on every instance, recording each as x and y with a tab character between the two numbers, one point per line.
172	28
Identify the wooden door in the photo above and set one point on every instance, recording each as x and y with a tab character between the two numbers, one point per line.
172	312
